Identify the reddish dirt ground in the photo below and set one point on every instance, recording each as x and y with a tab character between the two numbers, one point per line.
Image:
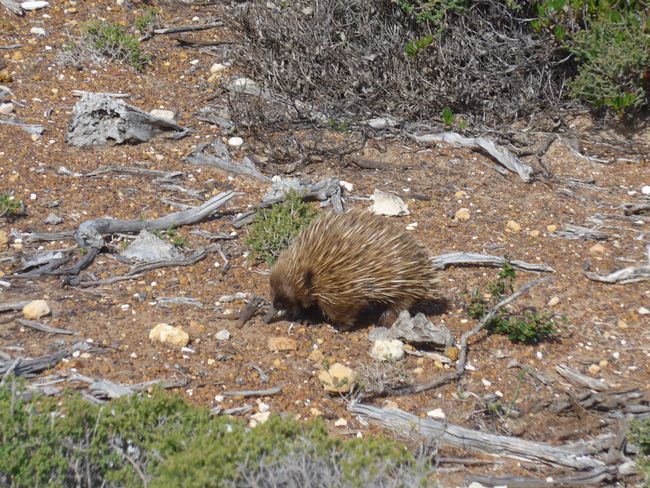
605	334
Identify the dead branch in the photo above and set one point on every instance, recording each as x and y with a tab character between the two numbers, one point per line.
13	7
499	153
636	208
631	274
253	393
45	328
473	259
187	28
29	367
221	159
592	478
570	231
138	270
496	445
462	355
12	306
580	379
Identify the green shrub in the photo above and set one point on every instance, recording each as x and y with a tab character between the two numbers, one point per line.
639	434
614	56
162	441
275	228
610	40
115	42
10	206
527	326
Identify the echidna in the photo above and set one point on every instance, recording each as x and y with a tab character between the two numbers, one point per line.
351	263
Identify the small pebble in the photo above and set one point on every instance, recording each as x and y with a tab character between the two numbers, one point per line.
513	226
553	301
235	141
340	422
36	309
551	228
462	215
222	335
436	413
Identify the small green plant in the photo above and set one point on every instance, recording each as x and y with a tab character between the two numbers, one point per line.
528	326
342	126
275	228
640	435
115	42
447	116
10	206
172	236
431	12
146	23
413	48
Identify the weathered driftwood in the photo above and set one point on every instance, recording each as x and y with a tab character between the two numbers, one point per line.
13	7
463	347
81	93
253	393
139	270
221	159
496	445
630	402
538	375
473	259
500	153
29	128
107	390
98	119
570	231
45	328
592	478
168	301
89	233
12	306
580	379
631	274
187	28
29	367
130	170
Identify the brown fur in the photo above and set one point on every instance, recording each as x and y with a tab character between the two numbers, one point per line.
344	264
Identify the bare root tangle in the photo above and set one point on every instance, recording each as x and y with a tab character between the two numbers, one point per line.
347	58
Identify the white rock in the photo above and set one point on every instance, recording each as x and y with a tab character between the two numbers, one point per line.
646	190
340	422
387	350
34	5
263	407
6	108
222	335
36	309
259	418
165	333
486	383
39	31
163	114
388	204
475	484
436	413
346	185
643	311
554	301
382	122
219	398
338	378
216	67
412	226
235	141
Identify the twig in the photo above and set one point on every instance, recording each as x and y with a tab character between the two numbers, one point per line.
472	259
11	306
45	328
592	478
253	393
